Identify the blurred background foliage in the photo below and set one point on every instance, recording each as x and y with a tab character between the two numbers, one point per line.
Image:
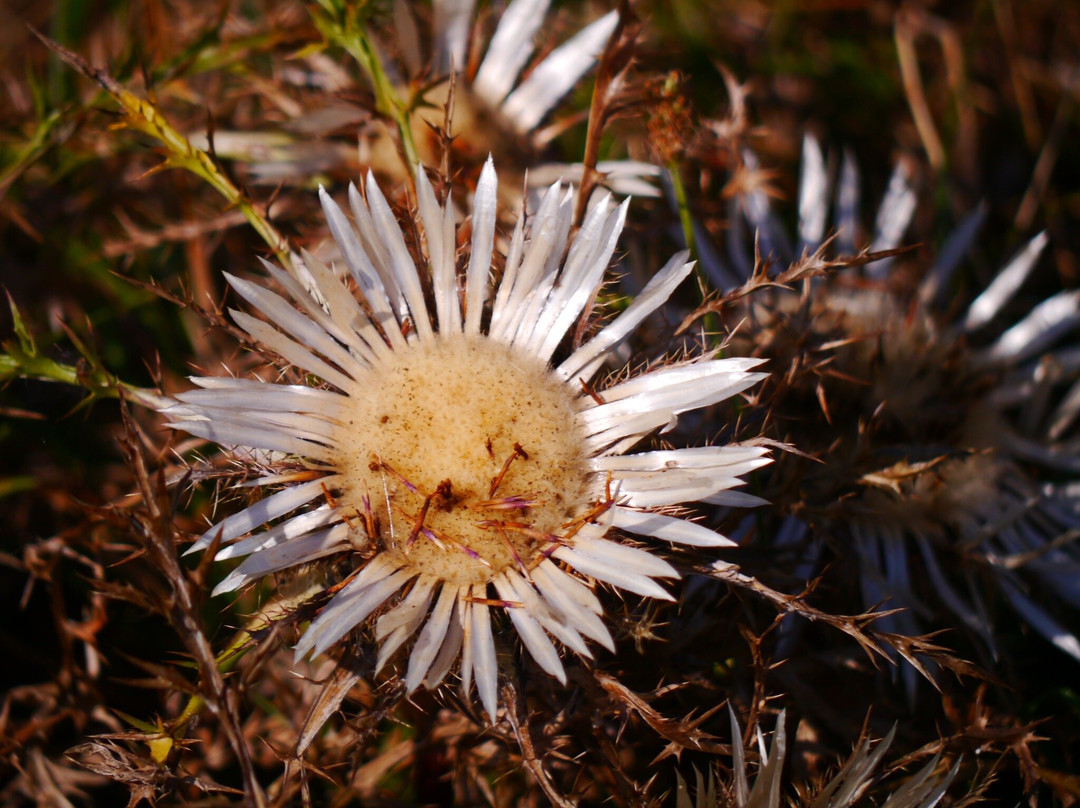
980	97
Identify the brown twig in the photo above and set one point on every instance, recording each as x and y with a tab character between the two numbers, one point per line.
528	752
613	64
156	528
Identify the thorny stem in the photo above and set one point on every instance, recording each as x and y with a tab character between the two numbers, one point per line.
143	116
239	646
156	529
21	358
98	382
520	726
855	626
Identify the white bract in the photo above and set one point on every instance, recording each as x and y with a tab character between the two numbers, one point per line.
525	102
504	102
445	454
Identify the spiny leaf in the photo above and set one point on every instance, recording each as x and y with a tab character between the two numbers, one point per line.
26	340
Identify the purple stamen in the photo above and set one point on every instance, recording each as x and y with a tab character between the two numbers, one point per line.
429	534
513	503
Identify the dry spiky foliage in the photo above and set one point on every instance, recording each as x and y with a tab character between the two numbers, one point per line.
111	690
858	777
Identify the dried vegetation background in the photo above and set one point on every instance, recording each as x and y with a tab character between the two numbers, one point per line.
118	682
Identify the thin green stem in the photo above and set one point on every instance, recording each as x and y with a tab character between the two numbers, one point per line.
349	32
683	202
21	358
710	322
141	114
37	144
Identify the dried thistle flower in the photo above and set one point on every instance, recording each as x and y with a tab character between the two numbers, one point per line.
495	97
454	463
947	459
521	103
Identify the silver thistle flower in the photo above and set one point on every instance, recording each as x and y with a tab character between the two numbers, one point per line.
496	108
525	103
461	471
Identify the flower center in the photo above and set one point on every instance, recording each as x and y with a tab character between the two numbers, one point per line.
464	458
